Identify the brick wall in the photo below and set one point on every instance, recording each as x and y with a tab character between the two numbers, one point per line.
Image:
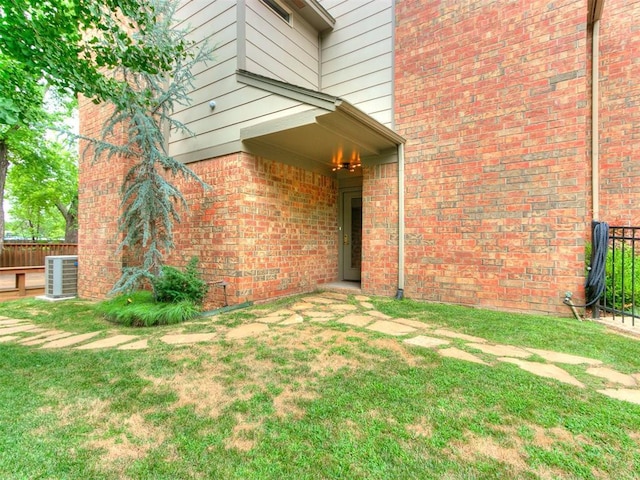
493	99
620	113
99	209
266	228
380	229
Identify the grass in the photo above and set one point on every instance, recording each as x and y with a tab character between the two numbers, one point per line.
311	401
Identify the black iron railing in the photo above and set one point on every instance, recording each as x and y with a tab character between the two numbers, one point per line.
621	297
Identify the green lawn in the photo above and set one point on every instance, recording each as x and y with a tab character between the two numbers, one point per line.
312	401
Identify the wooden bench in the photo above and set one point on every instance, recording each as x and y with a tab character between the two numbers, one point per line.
21	277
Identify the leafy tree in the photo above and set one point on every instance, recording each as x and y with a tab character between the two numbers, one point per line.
128	53
44	195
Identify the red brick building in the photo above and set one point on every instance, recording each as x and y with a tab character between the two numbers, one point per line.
473	124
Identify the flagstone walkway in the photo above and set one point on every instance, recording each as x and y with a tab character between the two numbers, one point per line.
330	306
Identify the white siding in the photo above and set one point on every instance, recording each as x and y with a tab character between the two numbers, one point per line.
276	49
357	56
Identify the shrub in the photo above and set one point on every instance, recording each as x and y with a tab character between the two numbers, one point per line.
173	285
139	309
621	266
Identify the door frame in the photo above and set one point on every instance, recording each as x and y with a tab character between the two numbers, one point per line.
341	229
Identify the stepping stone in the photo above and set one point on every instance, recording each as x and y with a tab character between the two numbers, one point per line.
44	336
367	305
107	342
139	345
343	307
274	319
12	321
334	295
21	328
72	340
321	300
544	370
48	338
462	336
247	330
412	323
281	313
427	342
626	394
558	357
293	319
356	320
8	338
378	314
454	352
613	376
391	328
319	316
501	350
182	338
362	298
302	306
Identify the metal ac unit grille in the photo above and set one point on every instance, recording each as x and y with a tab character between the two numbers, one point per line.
61	276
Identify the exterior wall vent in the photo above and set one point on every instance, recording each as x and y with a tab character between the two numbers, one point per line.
61	276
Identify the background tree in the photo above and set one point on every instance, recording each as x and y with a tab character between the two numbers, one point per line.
128	53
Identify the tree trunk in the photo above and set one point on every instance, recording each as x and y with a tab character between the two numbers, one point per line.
4	168
71	220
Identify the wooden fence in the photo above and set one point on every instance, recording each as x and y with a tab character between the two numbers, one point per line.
32	254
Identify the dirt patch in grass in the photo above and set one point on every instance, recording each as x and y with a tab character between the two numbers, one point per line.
422	428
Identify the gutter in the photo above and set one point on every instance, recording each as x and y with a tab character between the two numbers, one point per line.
400	292
595	120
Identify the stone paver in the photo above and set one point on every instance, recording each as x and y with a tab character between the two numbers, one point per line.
390	328
269	319
558	357
501	350
544	370
292	320
362	298
367	305
182	338
8	338
454	352
321	300
12	321
107	342
335	295
426	342
283	312
412	323
248	330
44	335
48	338
320	316
613	376
343	307
626	394
302	306
356	320
378	314
139	345
443	332
72	340
21	328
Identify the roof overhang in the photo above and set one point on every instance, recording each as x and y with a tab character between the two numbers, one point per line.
330	133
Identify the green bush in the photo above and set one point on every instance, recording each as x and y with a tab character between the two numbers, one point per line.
622	265
140	309
173	285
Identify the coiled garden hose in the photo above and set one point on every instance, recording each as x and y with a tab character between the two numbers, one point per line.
596	278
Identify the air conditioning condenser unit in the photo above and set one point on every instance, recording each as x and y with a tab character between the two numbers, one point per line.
61	276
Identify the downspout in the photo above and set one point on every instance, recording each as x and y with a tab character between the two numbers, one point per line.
595	131
400	292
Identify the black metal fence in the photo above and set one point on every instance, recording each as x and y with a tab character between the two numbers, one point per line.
621	297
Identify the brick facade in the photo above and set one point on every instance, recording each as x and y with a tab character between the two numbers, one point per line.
620	113
492	97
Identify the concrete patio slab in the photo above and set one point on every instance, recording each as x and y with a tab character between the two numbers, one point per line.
8	338
107	342
187	338
248	330
292	320
628	395
544	370
139	345
456	353
443	332
426	342
501	350
613	376
557	357
48	338
390	328
356	320
72	340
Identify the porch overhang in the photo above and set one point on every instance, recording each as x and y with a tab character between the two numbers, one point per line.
329	133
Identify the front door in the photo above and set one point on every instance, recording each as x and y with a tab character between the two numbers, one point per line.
351	235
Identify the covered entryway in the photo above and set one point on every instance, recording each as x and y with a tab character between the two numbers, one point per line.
351	235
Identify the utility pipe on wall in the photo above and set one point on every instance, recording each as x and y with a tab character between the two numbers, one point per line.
400	292
595	131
